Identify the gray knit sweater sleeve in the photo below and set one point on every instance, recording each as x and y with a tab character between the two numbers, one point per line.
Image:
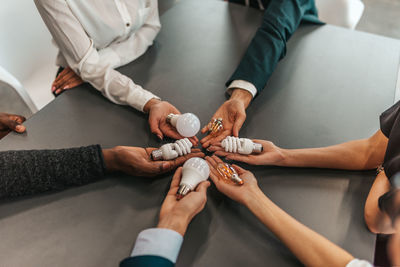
28	172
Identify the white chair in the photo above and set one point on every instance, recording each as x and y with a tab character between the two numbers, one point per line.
13	96
344	13
26	49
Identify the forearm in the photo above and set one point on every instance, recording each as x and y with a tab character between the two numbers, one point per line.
36	171
360	154
308	246
281	19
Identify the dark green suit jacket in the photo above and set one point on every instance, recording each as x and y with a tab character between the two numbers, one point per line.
146	261
281	19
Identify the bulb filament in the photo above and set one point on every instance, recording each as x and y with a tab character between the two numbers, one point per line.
229	174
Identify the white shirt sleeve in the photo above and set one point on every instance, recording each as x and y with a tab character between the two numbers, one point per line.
359	263
241	84
82	57
160	242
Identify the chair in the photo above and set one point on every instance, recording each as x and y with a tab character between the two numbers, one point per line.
13	96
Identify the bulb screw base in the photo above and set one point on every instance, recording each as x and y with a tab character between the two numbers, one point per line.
257	148
157	155
169	117
182	191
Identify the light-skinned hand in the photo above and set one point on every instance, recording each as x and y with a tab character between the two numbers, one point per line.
271	155
240	193
158	112
233	115
177	214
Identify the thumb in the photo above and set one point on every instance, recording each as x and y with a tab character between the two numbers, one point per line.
238	124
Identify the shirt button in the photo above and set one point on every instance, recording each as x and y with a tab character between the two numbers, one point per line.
128	24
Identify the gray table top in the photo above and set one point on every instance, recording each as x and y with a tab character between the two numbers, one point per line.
331	87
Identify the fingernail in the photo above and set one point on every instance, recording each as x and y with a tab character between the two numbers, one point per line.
159	137
19	128
53	88
66	87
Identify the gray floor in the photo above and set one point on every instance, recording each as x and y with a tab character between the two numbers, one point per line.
381	17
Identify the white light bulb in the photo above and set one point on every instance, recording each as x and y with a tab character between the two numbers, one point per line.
187	124
195	171
172	150
241	145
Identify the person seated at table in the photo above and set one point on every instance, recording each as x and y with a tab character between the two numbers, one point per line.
281	19
160	246
94	38
381	151
28	172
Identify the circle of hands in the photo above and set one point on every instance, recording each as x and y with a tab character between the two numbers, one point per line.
137	161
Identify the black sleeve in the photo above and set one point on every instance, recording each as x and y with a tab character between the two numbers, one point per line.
388	118
28	172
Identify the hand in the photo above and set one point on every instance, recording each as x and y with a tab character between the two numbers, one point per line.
271	155
158	112
242	193
137	161
233	114
11	122
67	79
177	214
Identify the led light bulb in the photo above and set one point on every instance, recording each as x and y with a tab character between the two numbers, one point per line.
187	124
229	174
215	126
195	171
172	150
241	145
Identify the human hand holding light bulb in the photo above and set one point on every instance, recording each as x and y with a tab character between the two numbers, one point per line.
242	193
158	112
136	161
270	155
177	214
233	115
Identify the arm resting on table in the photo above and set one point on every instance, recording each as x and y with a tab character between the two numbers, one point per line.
29	172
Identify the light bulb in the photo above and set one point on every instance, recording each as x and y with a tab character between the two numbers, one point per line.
241	145
172	150
187	124
195	171
229	174
215	127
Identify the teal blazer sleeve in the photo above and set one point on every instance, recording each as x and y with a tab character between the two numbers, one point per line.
146	261
280	21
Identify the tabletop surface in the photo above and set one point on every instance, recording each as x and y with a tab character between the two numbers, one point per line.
331	87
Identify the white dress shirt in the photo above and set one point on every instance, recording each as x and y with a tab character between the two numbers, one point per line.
167	244
96	36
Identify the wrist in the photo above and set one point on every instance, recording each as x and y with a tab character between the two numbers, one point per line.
242	95
254	199
150	103
110	159
173	222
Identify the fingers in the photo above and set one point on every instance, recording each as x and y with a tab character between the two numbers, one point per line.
238	124
154	123
179	161
204	130
206	142
18	118
236	157
14	125
194	140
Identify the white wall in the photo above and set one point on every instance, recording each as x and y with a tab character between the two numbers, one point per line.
26	50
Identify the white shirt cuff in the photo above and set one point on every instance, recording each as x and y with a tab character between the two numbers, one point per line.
160	242
245	85
359	263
